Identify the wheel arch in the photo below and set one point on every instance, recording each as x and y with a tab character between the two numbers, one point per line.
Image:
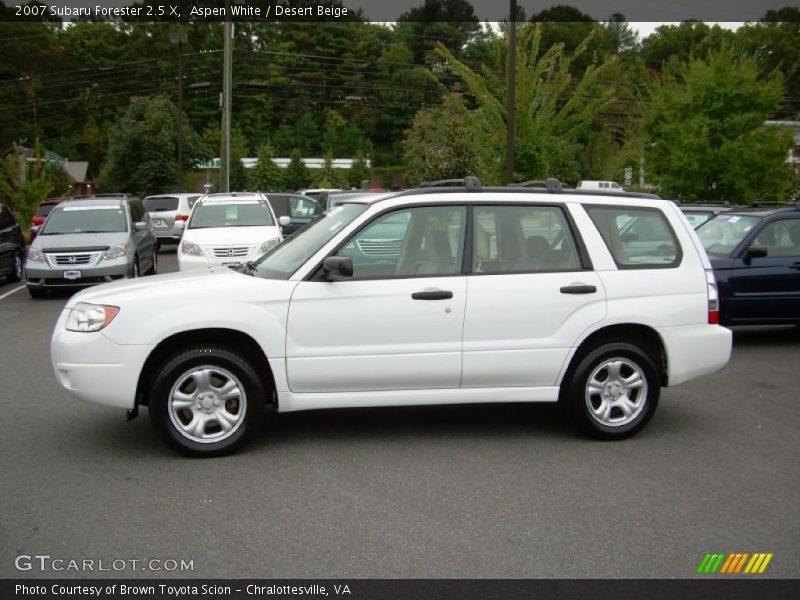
232	338
643	336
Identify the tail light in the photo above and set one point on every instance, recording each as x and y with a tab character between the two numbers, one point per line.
38	220
181	217
713	298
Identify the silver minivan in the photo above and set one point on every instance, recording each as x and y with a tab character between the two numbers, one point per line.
169	213
92	241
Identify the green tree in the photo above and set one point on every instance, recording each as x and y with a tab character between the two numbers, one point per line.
141	156
359	172
266	175
328	176
238	172
707	139
555	113
297	174
449	22
441	144
40	181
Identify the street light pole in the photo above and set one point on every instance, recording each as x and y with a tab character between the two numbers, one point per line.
179	37
512	80
227	85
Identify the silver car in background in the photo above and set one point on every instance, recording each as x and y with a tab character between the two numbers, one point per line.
92	241
169	213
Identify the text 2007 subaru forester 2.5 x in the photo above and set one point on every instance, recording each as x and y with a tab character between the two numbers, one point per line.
484	295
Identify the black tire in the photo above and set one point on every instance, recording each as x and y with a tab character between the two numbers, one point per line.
576	399
137	272
37	292
158	246
17	271
253	401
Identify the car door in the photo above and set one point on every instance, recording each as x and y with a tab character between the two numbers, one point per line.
530	296
8	245
143	239
767	288
397	323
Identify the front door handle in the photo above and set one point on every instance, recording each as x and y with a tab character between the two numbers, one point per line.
578	288
432	295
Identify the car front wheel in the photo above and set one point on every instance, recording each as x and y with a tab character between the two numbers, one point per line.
17	271
613	392
207	401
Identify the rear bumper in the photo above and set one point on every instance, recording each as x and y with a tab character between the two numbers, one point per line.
695	350
93	368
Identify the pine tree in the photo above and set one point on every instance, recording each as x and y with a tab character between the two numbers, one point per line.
266	175
297	175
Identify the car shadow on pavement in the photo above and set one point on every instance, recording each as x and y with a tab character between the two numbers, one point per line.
773	335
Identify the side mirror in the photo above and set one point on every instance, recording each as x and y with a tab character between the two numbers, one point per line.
284	220
755	252
337	268
140	226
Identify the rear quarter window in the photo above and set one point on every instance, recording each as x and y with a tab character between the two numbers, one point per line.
637	237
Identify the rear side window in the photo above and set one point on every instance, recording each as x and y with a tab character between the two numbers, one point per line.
6	218
522	239
302	207
45	209
637	237
137	211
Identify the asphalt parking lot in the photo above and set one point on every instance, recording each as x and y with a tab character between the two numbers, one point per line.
476	492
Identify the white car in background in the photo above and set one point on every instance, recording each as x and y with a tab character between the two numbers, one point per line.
228	230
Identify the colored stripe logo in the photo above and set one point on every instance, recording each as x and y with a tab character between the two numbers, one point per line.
732	563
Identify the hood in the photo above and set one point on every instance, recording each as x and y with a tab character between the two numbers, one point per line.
231	236
117	291
80	241
721	262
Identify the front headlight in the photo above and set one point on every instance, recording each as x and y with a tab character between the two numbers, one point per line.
116	252
191	248
90	317
268	245
35	255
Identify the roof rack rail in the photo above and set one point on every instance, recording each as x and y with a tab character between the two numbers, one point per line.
471	183
551	184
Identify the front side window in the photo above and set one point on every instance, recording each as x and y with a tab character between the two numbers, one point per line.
637	237
301	207
723	233
288	256
420	241
85	219
242	213
522	239
780	238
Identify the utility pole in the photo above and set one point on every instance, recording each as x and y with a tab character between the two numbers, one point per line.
227	88
512	85
179	37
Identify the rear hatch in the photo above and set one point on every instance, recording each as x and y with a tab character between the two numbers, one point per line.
162	210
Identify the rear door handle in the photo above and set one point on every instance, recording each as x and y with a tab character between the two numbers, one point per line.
432	295
578	288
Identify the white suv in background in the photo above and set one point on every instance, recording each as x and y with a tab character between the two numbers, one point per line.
484	295
228	230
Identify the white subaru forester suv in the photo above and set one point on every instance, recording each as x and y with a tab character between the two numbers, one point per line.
430	296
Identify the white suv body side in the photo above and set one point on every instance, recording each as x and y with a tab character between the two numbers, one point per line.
498	338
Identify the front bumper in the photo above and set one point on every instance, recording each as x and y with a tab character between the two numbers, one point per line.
41	276
188	262
93	368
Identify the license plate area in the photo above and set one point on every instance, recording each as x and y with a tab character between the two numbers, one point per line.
159	223
72	274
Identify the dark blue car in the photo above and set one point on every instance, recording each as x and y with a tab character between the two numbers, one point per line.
755	254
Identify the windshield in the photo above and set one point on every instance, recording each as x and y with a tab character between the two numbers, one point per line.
85	219
697	218
242	213
723	233
287	257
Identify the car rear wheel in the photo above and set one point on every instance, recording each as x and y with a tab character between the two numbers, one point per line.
207	401
613	392
136	272
16	271
154	269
